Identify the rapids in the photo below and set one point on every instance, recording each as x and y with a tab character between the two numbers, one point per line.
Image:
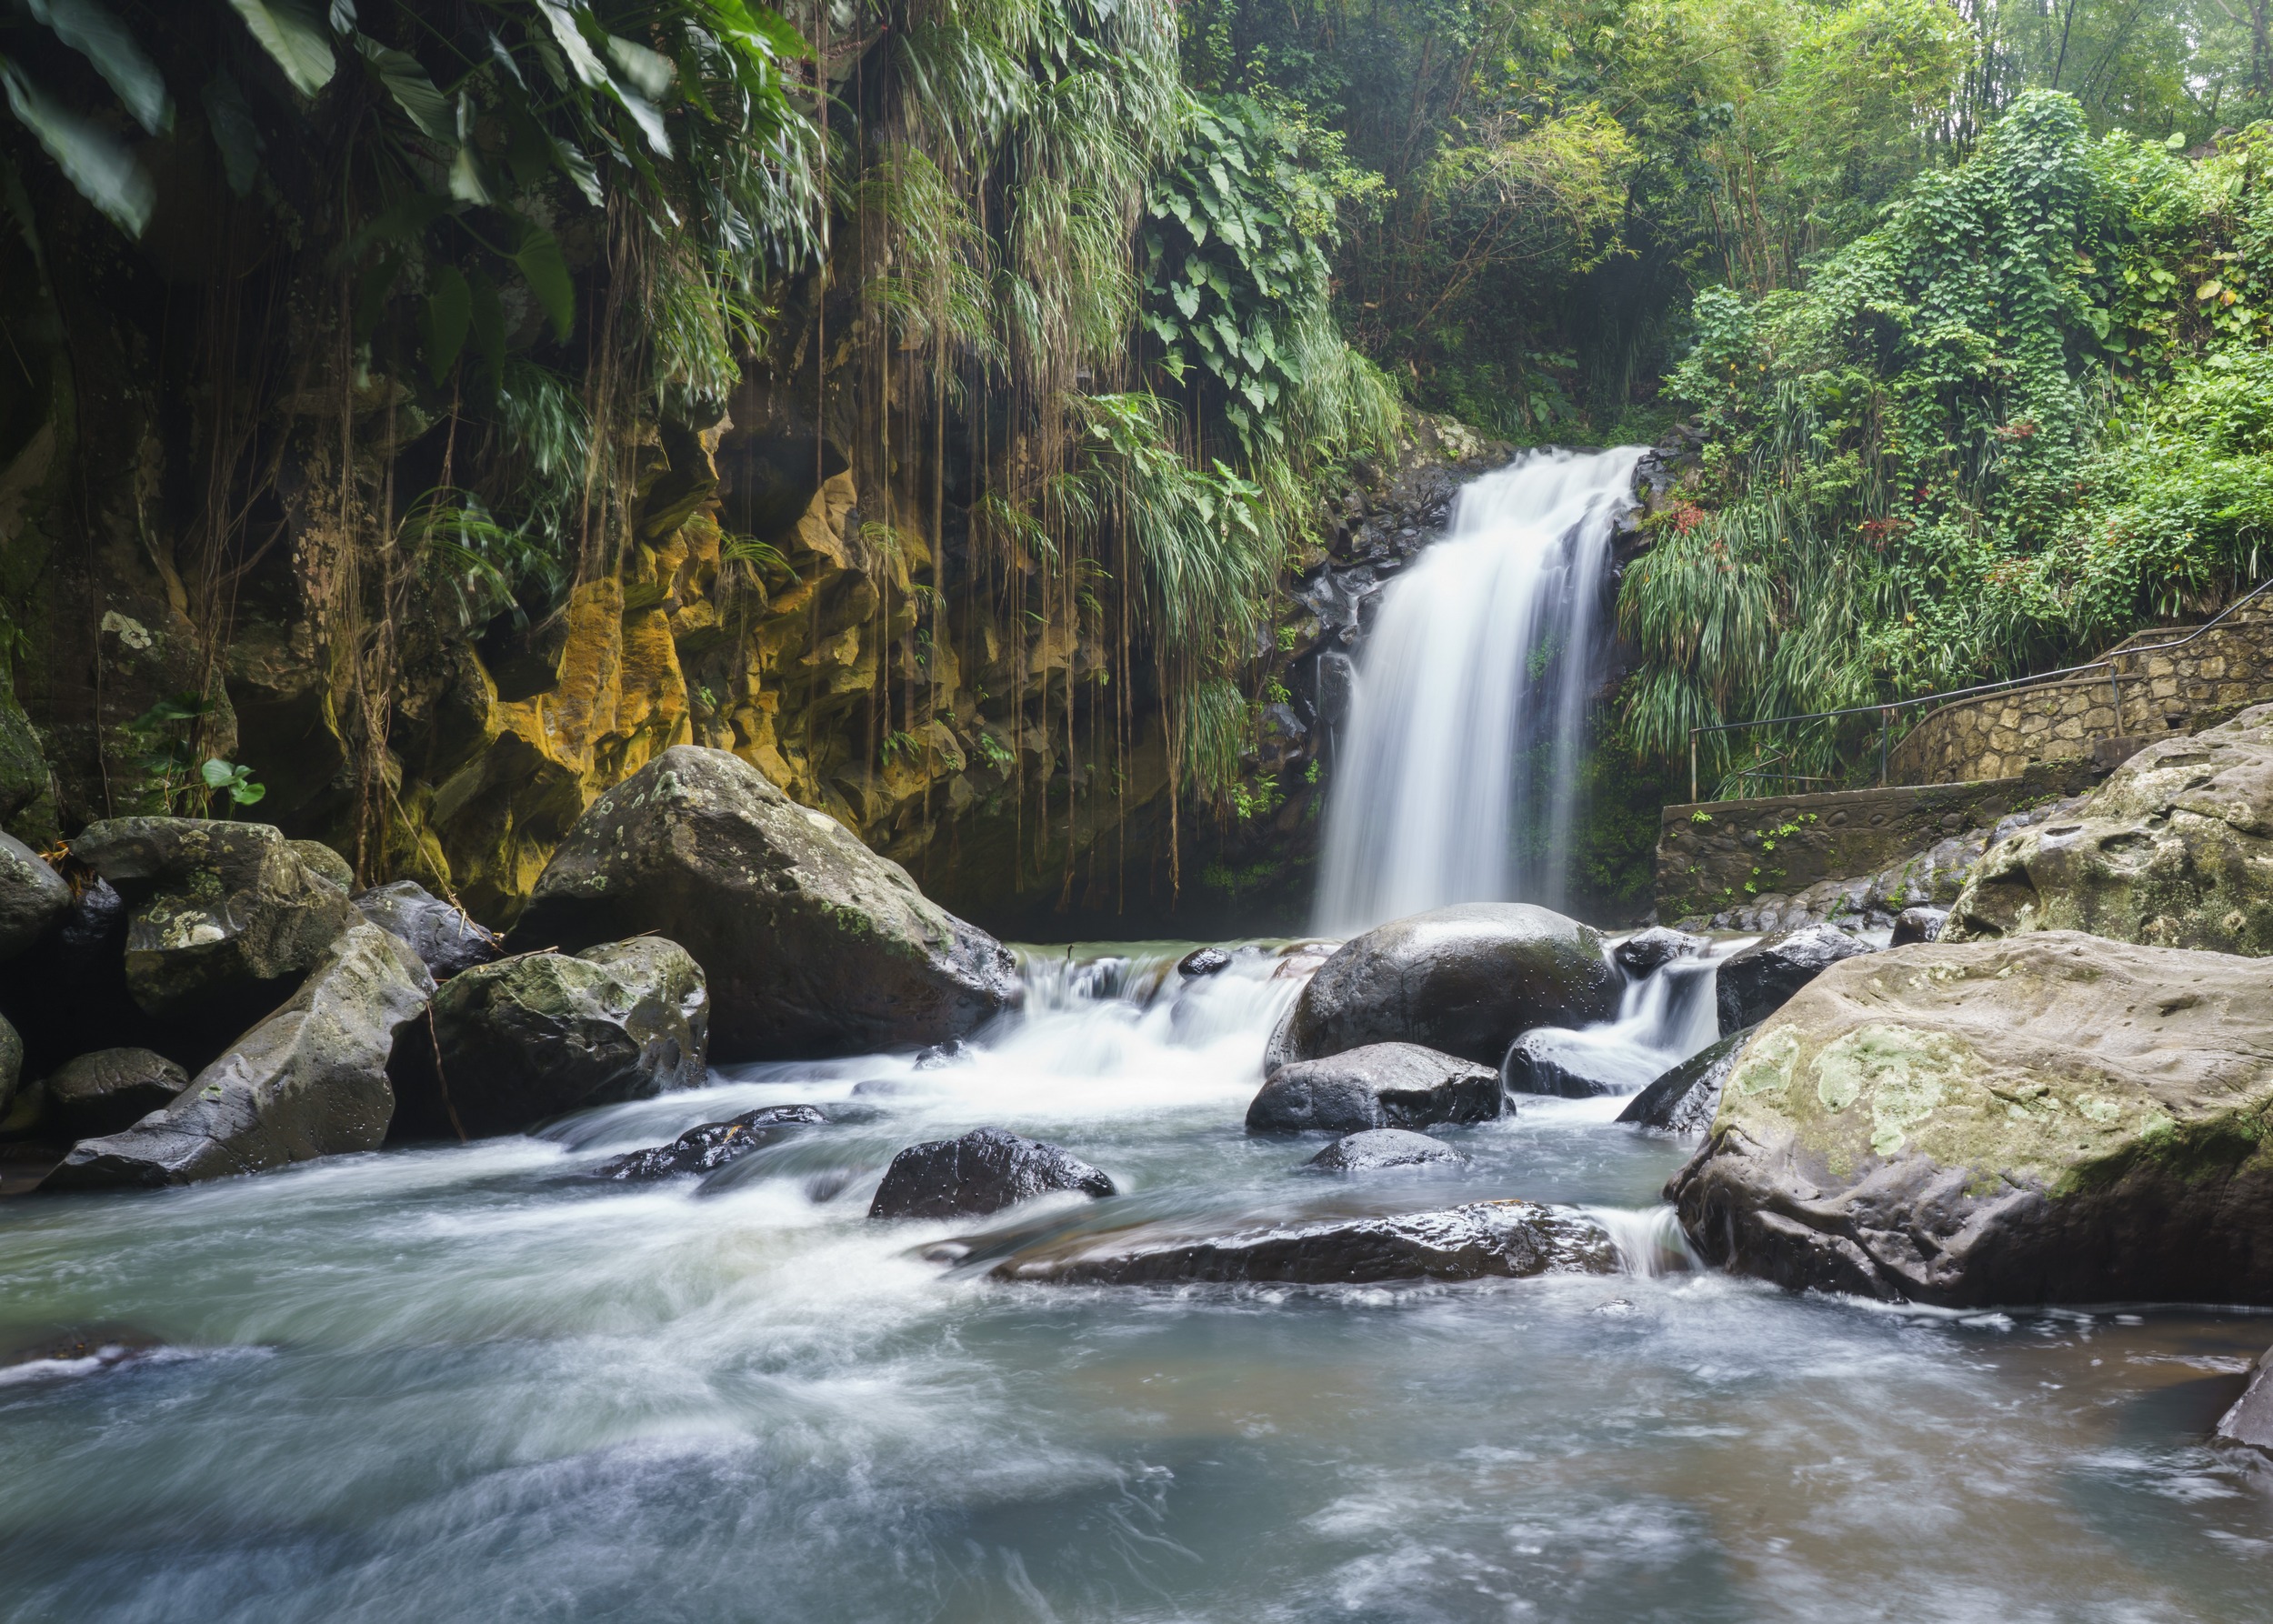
469	1383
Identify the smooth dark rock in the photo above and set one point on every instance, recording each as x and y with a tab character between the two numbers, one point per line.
1466	980
2054	1117
939	1055
1684	1099
310	1080
10	1065
711	1145
1915	924
1376	1149
2250	1419
1753	985
224	915
984	1171
1203	961
531	1037
112	1090
1648	951
33	896
1381	1085
813	945
445	938
1506	1238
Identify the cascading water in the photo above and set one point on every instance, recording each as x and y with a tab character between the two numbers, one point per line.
1455	778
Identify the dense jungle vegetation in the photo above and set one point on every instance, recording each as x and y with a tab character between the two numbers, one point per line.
399	326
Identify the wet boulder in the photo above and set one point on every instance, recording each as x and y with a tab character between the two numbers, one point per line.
11	1066
1381	1085
528	1038
2056	1117
984	1171
310	1080
223	916
112	1090
1378	1149
2175	849
1752	985
1204	961
1684	1099
445	938
1466	980
813	945
711	1145
2250	1419
1645	952
1915	924
33	896
1554	1060
1510	1239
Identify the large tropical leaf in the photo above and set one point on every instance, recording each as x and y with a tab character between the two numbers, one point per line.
90	30
295	36
235	130
93	159
413	90
546	271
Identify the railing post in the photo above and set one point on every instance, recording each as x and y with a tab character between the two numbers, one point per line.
1885	726
2117	687
1692	766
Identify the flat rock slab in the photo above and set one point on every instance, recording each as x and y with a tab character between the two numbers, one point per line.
1381	1085
711	1145
2055	1117
984	1171
1510	1239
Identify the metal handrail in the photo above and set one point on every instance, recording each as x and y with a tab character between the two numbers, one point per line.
1885	709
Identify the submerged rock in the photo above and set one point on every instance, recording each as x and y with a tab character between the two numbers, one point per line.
1684	1099
310	1080
224	914
1381	1085
111	1089
531	1037
445	938
1466	980
1752	985
1378	1149
1648	951
2054	1119
984	1171
33	896
1505	1239
813	944
2175	849
711	1145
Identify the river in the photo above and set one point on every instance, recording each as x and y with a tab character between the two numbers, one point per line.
474	1383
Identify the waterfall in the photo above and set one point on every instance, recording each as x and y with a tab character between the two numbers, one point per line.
1455	781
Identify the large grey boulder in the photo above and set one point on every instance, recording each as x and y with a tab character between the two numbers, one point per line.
1686	1097
813	944
2053	1118
2175	849
1506	1238
33	896
220	911
445	938
531	1037
112	1090
1381	1085
984	1171
1752	985
1467	981
308	1081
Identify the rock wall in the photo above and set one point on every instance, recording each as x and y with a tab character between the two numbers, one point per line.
2162	694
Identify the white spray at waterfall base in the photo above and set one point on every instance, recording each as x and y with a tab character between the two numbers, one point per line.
1454	780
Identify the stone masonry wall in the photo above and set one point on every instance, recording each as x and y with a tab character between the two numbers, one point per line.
2179	690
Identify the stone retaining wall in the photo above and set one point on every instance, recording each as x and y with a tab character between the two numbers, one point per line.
1718	855
2179	690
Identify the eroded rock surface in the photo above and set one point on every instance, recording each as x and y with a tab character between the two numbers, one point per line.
813	945
1466	980
310	1080
1506	1238
112	1090
2056	1117
445	938
984	1171
1381	1085
2175	849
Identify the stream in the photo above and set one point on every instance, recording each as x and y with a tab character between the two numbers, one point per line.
477	1383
